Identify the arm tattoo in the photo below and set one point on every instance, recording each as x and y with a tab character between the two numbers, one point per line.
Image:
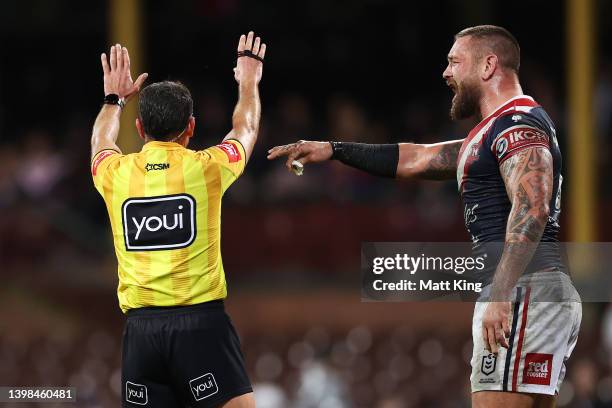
528	176
442	165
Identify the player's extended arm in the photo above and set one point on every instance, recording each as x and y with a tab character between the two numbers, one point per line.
117	81
248	72
528	176
436	161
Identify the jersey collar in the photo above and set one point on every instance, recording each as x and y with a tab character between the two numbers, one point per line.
155	144
519	100
514	101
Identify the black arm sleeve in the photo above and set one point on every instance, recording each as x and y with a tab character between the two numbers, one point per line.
377	159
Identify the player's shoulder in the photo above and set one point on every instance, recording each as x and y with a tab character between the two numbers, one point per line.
522	117
516	130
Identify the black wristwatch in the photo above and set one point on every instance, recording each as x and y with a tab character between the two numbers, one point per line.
114	99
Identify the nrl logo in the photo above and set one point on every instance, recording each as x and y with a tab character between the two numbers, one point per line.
488	364
516	118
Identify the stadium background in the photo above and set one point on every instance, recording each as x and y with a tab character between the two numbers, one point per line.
351	70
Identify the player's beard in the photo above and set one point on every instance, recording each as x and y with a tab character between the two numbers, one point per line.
466	102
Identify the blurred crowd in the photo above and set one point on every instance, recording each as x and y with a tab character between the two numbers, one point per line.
318	367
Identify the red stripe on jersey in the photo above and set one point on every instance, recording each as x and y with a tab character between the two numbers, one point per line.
514	151
100	156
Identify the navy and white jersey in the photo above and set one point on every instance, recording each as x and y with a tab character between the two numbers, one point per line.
518	124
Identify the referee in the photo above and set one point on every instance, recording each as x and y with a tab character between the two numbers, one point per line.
164	203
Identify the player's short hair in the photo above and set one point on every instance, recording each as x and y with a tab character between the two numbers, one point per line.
497	40
164	109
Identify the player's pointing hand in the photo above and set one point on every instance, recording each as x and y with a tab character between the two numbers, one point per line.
303	151
117	75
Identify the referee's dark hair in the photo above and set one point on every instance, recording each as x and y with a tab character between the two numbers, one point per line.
497	40
164	108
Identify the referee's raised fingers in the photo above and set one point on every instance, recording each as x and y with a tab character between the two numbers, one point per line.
262	51
256	45
119	57
249	40
126	58
242	43
113	58
105	67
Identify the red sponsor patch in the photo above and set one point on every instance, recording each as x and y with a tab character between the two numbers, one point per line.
99	158
517	138
538	368
233	154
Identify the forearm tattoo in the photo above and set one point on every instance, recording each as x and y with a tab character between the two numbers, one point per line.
442	165
529	181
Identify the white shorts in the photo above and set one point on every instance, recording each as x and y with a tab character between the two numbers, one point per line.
542	338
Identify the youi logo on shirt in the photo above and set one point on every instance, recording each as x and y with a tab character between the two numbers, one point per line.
158	223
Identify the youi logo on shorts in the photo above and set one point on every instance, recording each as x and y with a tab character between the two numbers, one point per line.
203	386
157	223
537	369
136	393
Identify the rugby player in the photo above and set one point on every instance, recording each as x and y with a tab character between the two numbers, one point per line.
508	174
164	203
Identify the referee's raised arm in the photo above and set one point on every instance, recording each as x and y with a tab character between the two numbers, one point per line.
248	72
119	88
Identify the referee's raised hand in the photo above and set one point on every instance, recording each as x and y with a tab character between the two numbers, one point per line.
117	76
249	64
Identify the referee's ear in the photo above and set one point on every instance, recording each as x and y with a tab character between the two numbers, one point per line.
140	129
190	127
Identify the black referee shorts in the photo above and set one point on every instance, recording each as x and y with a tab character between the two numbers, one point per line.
184	356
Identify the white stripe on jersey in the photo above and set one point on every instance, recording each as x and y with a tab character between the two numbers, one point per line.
468	150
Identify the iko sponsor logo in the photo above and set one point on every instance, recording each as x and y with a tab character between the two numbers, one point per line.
537	369
203	386
157	166
136	393
520	135
158	223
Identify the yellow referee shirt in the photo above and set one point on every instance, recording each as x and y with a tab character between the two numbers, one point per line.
164	205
